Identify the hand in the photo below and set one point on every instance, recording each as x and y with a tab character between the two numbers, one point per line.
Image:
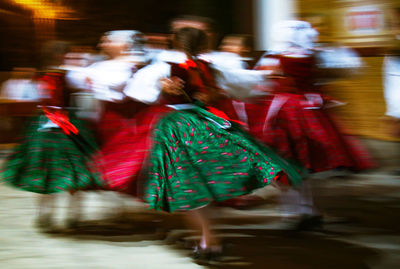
202	97
173	85
210	97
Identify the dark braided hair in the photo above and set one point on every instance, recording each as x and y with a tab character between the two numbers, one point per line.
191	40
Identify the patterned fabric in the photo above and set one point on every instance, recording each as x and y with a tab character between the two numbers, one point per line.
189	157
122	157
292	74
198	157
49	161
295	121
127	145
310	136
53	155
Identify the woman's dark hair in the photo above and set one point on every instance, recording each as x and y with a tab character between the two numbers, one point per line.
208	22
52	53
191	40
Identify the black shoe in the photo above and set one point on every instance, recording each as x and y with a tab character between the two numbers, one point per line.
207	254
73	224
45	224
309	222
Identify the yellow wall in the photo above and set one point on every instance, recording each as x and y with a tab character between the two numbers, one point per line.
365	109
364	113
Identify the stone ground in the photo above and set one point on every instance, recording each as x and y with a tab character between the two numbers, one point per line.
361	230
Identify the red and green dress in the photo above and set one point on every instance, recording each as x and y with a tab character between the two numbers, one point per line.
184	156
54	153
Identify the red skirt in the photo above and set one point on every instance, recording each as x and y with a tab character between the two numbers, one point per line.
123	154
117	117
285	122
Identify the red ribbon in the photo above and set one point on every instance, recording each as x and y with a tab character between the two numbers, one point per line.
188	64
61	119
222	115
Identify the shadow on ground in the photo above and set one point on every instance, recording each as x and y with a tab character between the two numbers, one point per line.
244	247
252	241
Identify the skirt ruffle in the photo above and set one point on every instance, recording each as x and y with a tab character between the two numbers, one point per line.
197	158
310	136
123	157
49	161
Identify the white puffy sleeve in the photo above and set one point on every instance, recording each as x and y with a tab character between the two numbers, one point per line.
340	57
266	61
240	83
232	77
144	86
104	79
76	78
392	86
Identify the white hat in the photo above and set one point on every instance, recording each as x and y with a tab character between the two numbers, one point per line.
134	38
294	33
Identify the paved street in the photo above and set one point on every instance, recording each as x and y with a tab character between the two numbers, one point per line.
361	231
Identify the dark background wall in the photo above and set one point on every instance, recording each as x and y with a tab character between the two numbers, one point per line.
153	16
19	47
16	36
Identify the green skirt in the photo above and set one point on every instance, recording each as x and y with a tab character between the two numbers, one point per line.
198	157
49	161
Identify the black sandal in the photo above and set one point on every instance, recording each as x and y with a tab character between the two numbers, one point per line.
213	253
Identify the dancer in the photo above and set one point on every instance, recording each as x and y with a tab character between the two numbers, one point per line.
238	82
114	112
193	156
295	120
106	79
121	157
53	155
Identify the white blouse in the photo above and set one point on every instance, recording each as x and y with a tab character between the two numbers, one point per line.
230	74
106	79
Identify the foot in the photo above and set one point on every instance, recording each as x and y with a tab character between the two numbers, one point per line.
73	224
309	222
212	253
45	223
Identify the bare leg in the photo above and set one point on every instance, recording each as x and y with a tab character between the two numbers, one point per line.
288	200
75	209
306	200
298	201
118	206
46	210
198	220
